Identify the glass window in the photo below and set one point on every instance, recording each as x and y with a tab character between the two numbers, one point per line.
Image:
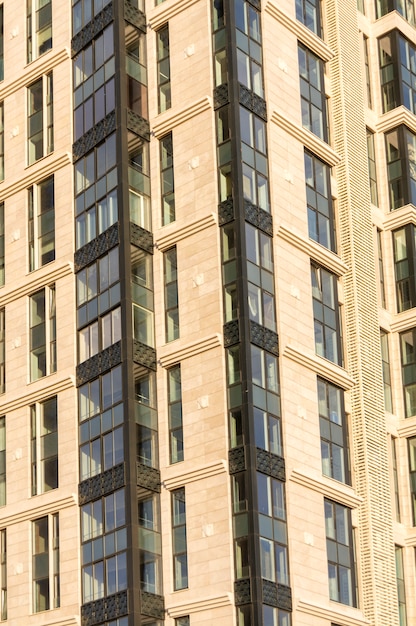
321	224
101	424
167	179
272	528
95	190
3	574
2	461
42	332
313	102
408	356
401	590
372	168
175	414
41	201
385	360
40	118
404	7
163	68
171	295
340	553
39	28
333	429
404	265
411	442
395	478
309	13
401	167
179	544
326	314
45	563
367	68
44	445
104	543
94	86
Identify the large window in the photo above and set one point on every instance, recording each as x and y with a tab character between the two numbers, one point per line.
333	428
248	37
142	296
2	461
1	42
1	140
167	180
94	87
395	472
408	355
340	553
171	294
136	71
42	326
385	360
45	563
401	167
318	197
404	7
44	445
401	590
99	335
2	350
3	574
179	545
367	69
372	168
100	410
146	420
261	303
309	13
326	314
175	414
41	223
412	475
398	72
40	118
84	10
104	544
313	104
150	544
95	191
404	240
254	159
272	528
98	287
39	28
163	68
139	182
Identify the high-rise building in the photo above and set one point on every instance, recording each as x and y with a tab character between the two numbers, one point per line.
207	313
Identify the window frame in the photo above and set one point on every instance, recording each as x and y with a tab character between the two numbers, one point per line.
44	446
327	314
333	431
311	94
339	536
179	541
47	319
40	136
39	220
51	555
33	18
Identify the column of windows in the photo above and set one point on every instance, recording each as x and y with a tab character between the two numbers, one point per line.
247	251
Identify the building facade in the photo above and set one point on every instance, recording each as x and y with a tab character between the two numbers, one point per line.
207	284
